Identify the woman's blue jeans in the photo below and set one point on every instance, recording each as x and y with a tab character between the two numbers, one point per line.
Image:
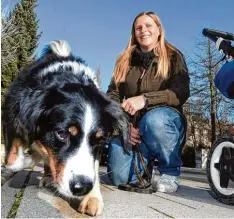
163	131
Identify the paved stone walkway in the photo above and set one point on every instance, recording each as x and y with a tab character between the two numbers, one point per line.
191	201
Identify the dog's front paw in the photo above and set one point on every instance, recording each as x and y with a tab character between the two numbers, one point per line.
46	181
91	205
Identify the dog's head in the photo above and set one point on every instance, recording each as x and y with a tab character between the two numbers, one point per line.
74	120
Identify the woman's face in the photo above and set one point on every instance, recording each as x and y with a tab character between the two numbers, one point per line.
146	32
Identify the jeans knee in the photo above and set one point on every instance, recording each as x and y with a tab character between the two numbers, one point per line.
159	121
157	116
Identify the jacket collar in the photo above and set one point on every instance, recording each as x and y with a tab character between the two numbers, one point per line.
142	59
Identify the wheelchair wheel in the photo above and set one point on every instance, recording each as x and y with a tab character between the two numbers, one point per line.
220	170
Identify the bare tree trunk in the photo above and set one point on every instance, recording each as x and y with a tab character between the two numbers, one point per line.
212	95
213	124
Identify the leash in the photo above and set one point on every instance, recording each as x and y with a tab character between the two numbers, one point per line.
138	154
144	185
136	148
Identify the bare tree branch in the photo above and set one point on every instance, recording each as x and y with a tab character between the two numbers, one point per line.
205	101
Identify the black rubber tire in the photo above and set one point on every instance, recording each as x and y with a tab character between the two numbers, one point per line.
226	199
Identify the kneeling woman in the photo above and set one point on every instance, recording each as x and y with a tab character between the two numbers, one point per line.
151	83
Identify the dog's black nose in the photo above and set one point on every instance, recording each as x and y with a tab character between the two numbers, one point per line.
80	185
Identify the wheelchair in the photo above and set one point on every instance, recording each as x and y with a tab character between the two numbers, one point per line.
220	160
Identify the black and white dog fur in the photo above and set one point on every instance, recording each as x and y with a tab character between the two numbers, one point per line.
55	110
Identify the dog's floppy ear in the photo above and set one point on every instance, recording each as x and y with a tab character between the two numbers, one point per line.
29	113
117	123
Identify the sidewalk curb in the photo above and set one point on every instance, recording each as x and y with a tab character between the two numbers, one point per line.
193	170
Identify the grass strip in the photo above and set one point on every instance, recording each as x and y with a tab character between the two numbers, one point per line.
12	213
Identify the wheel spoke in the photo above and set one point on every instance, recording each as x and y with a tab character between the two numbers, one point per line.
217	166
232	152
224	178
226	153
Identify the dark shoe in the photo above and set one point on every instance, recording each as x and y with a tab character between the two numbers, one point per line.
137	187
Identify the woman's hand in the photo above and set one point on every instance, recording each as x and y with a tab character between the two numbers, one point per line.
134	135
133	104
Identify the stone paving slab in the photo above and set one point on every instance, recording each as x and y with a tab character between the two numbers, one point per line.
10	190
197	204
33	206
44	202
7	199
198	201
5	175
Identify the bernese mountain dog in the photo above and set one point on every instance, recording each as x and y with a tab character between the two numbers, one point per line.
55	110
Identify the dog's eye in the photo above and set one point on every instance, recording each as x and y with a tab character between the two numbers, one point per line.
62	134
73	130
99	133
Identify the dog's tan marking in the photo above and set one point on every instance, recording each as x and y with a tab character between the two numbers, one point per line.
13	155
47	177
73	130
42	148
47	170
52	160
60	171
54	168
52	163
99	133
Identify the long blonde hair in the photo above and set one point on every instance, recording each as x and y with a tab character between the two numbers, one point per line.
164	50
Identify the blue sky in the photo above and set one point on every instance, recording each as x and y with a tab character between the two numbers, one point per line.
99	30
